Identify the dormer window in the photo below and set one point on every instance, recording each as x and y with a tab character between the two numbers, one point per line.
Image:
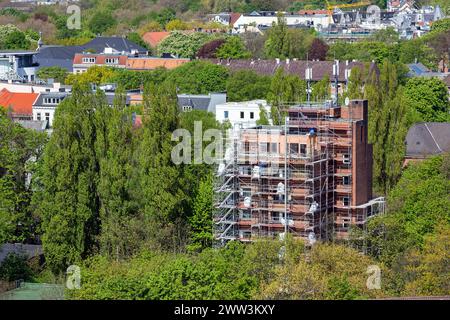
112	60
52	100
88	59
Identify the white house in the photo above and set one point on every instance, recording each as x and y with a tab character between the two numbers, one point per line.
266	19
45	106
244	113
17	65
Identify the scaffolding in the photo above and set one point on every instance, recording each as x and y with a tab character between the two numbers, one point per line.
278	179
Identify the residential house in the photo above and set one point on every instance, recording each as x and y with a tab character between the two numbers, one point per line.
17	65
205	102
45	106
20	105
241	114
83	61
63	56
265	20
425	139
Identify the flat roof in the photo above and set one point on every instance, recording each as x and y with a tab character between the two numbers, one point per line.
17	52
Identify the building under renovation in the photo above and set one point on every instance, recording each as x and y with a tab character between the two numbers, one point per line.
311	177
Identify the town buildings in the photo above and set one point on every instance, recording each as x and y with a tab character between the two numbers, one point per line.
311	177
242	114
17	65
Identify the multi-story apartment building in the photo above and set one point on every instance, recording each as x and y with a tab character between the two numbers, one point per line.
311	177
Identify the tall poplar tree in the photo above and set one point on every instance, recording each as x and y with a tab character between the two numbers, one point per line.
68	201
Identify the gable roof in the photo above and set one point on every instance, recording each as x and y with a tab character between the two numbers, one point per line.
234	17
21	103
153	38
427	138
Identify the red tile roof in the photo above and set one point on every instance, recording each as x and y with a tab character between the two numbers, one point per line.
153	38
234	17
21	103
153	63
99	58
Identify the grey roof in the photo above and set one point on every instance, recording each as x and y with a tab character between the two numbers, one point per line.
416	69
118	43
110	96
62	56
428	138
30	250
34	124
197	102
40	100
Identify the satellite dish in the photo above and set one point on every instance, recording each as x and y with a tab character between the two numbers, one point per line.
221	169
312	238
256	171
280	188
347	101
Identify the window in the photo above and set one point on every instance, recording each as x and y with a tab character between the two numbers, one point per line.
346	201
242	114
303	149
246	215
263	147
246	146
187	108
346	158
346	180
246	192
293	148
252	115
274	147
112	60
88	60
47	116
225	114
38	116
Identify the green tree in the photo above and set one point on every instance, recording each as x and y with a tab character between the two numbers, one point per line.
163	196
201	221
244	85
233	48
427	99
101	21
284	89
57	73
321	89
19	148
15	267
67	200
199	77
184	45
278	43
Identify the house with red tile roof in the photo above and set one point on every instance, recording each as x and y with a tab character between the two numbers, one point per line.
153	38
20	104
83	61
